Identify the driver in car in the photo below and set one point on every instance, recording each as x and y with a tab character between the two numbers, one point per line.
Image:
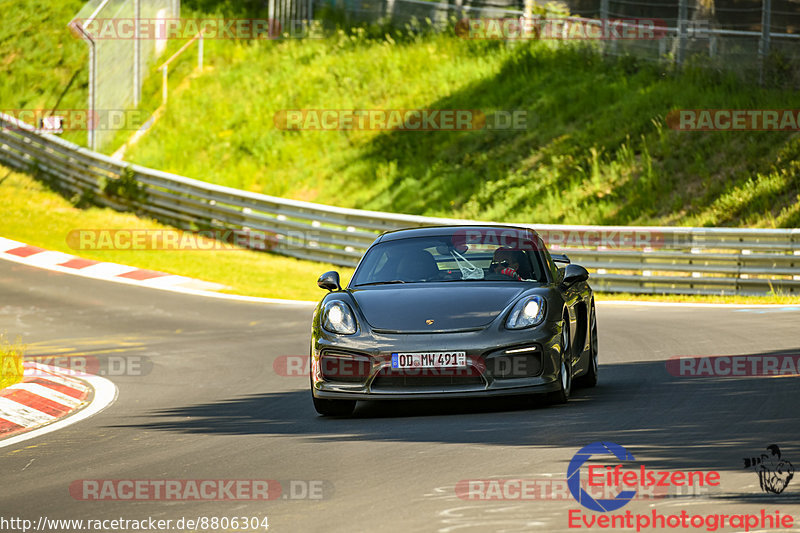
505	262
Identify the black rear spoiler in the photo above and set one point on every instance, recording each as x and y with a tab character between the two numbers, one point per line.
560	258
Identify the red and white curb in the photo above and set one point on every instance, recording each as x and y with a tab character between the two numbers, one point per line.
34	256
40	398
49	398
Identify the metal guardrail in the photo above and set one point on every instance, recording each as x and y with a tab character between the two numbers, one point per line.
622	258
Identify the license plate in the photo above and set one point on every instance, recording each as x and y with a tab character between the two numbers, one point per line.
429	360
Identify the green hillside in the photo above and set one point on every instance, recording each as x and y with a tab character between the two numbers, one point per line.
596	149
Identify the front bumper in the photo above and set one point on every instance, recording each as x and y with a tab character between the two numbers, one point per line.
499	362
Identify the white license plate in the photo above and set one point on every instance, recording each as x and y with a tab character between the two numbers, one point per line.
429	360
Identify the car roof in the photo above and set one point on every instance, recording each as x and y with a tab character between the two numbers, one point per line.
436	231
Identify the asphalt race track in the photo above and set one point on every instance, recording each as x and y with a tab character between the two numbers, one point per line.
209	405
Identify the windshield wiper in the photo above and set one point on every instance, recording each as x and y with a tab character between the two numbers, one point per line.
381	282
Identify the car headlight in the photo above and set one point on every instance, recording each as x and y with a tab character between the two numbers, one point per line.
337	317
529	311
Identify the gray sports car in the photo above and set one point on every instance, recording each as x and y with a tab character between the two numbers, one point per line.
453	311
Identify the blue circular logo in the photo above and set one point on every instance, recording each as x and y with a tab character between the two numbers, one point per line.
574	477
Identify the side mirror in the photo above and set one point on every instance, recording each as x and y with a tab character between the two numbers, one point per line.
573	274
329	281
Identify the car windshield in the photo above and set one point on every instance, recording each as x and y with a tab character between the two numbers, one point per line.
444	258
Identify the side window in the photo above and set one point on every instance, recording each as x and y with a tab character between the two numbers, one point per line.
539	269
372	265
380	269
555	273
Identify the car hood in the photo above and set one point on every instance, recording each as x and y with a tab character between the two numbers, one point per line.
451	306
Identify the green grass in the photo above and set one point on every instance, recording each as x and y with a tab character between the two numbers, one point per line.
11	355
39	56
42	64
597	150
36	215
706	299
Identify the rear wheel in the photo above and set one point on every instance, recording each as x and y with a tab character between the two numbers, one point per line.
590	378
565	370
334	407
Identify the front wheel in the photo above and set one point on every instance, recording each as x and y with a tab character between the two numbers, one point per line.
565	371
334	407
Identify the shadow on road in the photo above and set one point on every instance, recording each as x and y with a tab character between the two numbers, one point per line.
699	423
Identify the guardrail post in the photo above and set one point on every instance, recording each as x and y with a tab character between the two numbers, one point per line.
603	18
527	9
77	26
763	44
137	50
683	16
271	12
642	272
91	137
795	240
740	260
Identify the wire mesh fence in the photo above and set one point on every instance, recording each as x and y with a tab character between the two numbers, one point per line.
757	38
119	57
401	12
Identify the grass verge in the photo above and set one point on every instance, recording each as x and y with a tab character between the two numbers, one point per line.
38	216
775	299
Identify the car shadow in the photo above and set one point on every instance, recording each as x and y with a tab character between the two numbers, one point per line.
702	423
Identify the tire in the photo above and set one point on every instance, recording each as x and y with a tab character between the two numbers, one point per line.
590	378
334	407
565	372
